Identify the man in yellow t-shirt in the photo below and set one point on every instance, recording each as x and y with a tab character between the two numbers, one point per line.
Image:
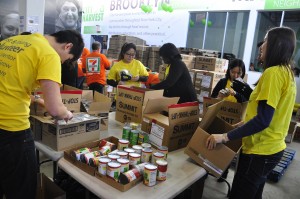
28	62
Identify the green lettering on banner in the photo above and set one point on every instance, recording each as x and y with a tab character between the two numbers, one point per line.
281	4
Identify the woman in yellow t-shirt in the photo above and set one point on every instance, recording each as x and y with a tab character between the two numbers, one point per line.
128	70
268	116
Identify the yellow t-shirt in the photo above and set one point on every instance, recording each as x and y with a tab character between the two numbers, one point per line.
135	68
278	88
230	98
24	60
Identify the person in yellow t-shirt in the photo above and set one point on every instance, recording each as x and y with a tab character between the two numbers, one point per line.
268	116
128	70
28	62
223	89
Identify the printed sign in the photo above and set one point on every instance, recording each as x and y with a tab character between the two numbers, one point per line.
93	64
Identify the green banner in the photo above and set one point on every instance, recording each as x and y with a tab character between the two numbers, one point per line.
91	30
282	4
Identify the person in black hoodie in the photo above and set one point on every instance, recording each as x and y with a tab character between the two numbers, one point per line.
177	82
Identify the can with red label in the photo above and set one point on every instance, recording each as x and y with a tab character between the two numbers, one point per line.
113	157
113	170
140	167
134	159
77	153
164	150
122	144
162	166
86	157
146	154
150	172
105	150
122	154
124	164
157	156
137	148
129	176
107	143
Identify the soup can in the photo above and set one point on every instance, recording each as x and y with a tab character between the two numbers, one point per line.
126	132
124	164
107	143
105	150
134	159
80	151
157	156
113	157
129	150
123	154
162	166
134	135
86	157
150	172
137	148
164	150
146	154
146	145
129	176
122	144
140	167
102	167
113	170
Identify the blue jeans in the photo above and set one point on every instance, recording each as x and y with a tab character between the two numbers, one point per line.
18	166
251	175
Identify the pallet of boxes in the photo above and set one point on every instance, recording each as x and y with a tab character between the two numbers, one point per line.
141	154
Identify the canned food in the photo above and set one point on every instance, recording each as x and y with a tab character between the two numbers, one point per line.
157	156
77	153
150	172
129	150
146	137
162	166
122	154
86	157
102	167
146	154
164	150
137	148
134	159
146	145
113	157
113	170
129	176
134	136
140	167
94	162
134	125
122	144
124	164
107	143
126	132
105	150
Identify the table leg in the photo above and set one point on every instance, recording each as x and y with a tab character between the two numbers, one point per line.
37	153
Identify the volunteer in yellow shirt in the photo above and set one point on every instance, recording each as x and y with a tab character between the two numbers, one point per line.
268	116
128	70
28	62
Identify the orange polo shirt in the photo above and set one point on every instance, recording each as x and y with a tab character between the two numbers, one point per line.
85	52
95	65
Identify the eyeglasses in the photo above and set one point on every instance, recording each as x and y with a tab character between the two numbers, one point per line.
130	55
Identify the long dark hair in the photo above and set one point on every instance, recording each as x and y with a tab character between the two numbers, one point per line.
236	63
125	48
169	51
281	43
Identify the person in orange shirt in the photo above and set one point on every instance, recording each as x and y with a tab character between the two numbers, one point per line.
152	78
80	72
95	65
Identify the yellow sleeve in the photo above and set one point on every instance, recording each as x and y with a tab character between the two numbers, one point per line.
113	72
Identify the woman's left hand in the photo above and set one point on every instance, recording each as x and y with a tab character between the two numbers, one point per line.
135	79
214	139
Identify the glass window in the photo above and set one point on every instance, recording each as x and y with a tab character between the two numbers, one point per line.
196	30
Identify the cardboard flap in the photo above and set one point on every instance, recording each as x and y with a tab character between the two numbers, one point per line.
215	163
157	105
210	113
69	88
87	95
99	97
183	112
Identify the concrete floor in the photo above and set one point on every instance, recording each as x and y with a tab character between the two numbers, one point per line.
287	187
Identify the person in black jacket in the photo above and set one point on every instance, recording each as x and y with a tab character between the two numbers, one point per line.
234	75
177	82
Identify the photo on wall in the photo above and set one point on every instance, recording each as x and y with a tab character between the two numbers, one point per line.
9	18
62	15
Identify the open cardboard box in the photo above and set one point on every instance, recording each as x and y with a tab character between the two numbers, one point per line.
47	189
215	161
69	156
131	101
170	124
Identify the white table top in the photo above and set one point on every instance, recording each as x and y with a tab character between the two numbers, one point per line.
49	152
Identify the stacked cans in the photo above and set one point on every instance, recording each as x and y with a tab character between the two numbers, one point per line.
133	133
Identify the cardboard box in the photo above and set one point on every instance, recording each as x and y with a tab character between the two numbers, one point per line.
211	64
82	128
131	101
231	112
170	124
71	98
97	105
214	161
36	128
68	155
47	189
291	132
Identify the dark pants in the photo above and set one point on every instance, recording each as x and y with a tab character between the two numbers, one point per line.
80	81
96	87
18	166
251	175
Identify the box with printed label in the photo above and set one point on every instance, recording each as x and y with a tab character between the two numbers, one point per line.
211	64
231	112
215	161
71	98
131	101
82	128
170	124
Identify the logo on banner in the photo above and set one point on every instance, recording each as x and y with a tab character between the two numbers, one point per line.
93	64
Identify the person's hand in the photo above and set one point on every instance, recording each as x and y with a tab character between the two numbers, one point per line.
69	116
135	79
223	93
121	83
215	139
